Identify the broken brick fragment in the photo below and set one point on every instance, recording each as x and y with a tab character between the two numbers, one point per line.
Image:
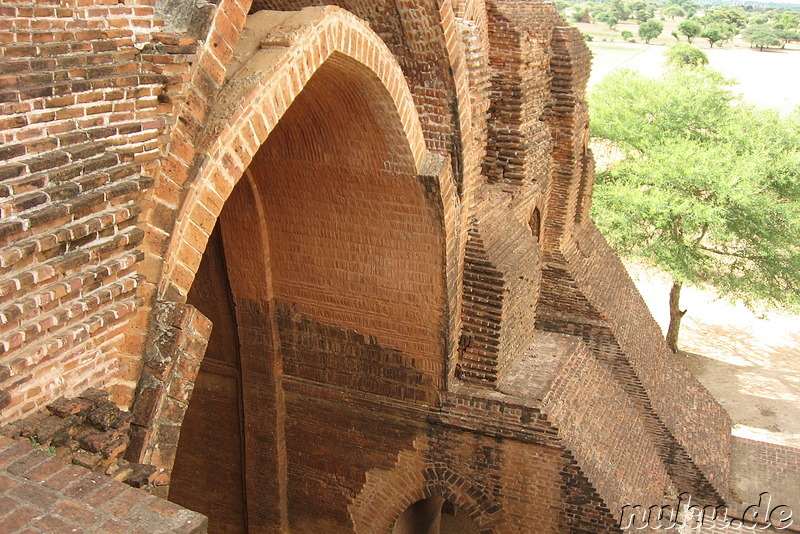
95	442
140	475
63	407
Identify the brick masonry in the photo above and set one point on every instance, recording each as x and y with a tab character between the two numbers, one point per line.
42	493
382	208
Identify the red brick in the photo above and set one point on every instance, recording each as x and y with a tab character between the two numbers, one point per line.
17	520
76	514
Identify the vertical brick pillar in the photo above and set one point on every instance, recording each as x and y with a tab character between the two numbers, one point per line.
179	339
264	416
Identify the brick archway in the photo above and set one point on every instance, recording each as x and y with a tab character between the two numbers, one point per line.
386	498
334	241
223	156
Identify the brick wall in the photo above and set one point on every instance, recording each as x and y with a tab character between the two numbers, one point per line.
615	323
80	96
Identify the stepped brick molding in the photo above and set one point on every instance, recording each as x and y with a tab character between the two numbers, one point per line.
336	266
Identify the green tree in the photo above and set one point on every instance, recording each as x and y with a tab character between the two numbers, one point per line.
690	28
608	19
619	10
789	20
637	5
787	36
691	8
714	34
686	55
642	15
673	11
710	190
730	16
627	35
761	35
650	30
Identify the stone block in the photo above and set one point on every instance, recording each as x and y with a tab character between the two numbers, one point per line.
95	442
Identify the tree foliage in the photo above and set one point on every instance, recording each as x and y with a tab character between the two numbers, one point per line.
710	190
787	36
716	33
789	20
619	10
686	55
673	11
642	15
607	18
690	28
727	16
650	29
761	35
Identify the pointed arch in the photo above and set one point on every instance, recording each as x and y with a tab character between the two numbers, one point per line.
260	92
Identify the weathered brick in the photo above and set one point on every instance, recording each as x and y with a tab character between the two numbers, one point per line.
339	334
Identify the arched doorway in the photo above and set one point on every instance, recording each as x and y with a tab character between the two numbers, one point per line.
327	255
434	515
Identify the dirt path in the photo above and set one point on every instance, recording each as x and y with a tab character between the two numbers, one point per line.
750	364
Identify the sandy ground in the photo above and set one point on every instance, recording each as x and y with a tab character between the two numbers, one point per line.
768	79
749	362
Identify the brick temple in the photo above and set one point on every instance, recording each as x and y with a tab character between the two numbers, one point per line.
335	268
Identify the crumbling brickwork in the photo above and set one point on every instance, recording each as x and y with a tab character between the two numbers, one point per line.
382	209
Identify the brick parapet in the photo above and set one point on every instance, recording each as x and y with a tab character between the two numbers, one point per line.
615	324
759	467
680	400
624	467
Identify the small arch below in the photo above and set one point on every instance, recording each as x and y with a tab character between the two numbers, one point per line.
434	515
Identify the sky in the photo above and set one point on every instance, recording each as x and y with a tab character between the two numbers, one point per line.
795	2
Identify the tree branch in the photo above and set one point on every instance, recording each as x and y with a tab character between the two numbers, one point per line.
702	234
734	254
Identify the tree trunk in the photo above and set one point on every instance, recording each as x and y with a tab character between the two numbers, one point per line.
675	316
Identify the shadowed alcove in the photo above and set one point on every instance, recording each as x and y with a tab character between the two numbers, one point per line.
434	515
